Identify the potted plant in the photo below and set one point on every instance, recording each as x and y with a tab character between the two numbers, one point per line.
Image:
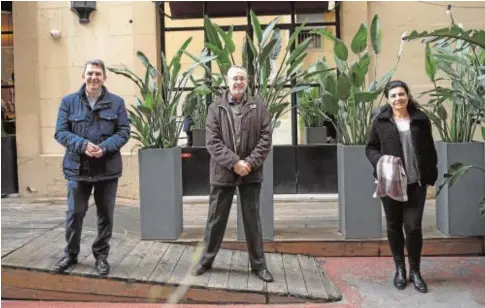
195	107
157	129
455	60
353	99
314	108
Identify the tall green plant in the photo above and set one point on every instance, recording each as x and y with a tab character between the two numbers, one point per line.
317	104
459	70
154	114
350	95
274	84
460	39
195	107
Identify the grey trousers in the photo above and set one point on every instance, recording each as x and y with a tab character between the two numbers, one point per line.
220	202
77	202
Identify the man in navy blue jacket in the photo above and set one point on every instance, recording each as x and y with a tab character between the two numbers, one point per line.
92	125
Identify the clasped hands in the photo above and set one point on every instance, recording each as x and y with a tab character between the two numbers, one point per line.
93	150
242	168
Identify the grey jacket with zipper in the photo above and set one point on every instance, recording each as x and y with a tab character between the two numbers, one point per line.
255	141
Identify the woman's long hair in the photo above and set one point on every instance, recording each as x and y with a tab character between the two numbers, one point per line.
412	103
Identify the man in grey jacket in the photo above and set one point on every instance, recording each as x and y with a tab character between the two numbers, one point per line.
238	138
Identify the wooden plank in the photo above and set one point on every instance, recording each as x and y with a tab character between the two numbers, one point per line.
21	256
255	284
313	280
146	266
181	271
238	277
276	267
86	267
167	263
332	290
57	252
294	277
85	258
221	268
73	287
201	280
131	261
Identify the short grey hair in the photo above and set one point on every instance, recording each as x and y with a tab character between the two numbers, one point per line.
96	62
236	67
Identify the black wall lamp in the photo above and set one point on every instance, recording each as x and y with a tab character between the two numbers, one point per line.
83	9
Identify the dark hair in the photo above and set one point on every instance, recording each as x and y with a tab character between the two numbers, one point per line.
401	84
95	62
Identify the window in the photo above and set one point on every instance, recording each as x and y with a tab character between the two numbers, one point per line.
315	39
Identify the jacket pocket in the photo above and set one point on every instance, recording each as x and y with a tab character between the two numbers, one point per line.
71	164
77	124
107	123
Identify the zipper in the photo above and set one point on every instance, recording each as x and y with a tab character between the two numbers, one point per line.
232	129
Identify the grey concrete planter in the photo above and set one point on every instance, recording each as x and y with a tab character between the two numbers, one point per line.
199	137
457	207
359	212
266	205
315	135
161	211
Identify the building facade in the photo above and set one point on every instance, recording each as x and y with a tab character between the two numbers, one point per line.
51	47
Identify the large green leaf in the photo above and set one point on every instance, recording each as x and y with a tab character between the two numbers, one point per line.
474	36
376	34
430	63
364	62
256	26
340	50
359	42
268	30
356	75
364	97
343	87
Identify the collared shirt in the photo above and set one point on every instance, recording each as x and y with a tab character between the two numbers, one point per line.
237	109
92	100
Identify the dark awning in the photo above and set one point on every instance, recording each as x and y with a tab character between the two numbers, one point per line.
193	9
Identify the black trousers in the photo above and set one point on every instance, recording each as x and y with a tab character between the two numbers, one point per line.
409	214
220	202
77	201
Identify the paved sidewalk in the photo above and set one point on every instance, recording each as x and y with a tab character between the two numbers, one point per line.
453	282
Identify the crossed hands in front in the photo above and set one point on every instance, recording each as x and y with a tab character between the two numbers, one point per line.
242	168
93	150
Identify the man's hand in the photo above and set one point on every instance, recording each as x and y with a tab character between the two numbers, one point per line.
91	148
98	153
242	168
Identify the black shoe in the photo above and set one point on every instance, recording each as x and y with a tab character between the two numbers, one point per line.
63	264
419	284
200	269
102	266
400	278
264	275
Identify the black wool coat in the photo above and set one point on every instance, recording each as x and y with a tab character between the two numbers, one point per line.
384	140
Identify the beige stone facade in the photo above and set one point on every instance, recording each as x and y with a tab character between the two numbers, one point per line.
46	69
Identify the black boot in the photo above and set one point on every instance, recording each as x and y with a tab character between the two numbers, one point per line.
419	284
400	276
415	274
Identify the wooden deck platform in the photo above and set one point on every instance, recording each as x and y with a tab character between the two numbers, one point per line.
141	271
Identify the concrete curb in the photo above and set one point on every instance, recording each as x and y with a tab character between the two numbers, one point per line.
287	198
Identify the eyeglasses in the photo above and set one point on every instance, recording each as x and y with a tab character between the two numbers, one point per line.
239	78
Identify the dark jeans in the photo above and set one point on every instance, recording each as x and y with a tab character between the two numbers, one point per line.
409	214
77	202
220	202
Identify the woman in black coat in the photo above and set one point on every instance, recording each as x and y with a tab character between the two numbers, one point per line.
402	130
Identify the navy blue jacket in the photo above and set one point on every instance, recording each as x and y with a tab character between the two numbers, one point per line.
106	125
